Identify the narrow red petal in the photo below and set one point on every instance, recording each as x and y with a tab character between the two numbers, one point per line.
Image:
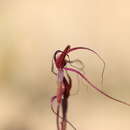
93	86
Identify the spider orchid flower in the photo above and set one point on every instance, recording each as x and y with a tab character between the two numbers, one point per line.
64	83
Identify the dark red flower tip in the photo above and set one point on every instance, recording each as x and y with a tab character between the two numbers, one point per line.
60	59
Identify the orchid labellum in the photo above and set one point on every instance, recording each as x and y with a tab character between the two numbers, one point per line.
64	83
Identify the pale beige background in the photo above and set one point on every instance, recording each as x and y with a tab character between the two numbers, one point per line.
30	32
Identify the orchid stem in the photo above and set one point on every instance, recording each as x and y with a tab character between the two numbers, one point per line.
57	117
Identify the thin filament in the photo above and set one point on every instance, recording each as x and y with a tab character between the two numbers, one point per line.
85	48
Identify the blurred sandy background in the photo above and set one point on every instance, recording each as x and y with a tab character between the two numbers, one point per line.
30	32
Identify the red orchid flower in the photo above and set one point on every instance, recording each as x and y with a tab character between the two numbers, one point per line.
64	83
